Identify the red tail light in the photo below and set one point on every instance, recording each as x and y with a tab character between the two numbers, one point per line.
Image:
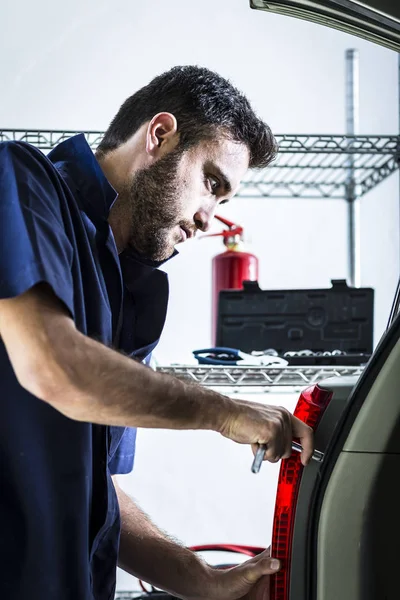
310	408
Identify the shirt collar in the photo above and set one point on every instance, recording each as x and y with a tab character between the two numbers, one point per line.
134	266
96	193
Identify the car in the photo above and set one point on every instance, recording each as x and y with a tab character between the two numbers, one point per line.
337	522
375	20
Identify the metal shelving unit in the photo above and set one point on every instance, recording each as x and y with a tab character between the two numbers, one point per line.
257	377
47	139
308	166
316	166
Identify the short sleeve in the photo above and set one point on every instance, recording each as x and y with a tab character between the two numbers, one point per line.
34	246
123	444
122	460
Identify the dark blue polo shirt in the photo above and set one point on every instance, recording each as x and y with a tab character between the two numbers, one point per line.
59	518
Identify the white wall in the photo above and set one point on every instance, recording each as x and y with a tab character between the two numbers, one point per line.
71	64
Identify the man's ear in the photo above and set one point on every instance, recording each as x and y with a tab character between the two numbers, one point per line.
161	135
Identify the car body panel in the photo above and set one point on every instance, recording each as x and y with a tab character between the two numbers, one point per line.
376	428
375	21
359	528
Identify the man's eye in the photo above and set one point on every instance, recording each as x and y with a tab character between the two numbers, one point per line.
213	184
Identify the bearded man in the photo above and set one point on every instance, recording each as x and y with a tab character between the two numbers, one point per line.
81	238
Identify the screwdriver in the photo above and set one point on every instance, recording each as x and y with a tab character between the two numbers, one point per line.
259	457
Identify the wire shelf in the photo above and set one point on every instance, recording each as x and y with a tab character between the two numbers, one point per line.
47	139
260	377
140	595
308	166
317	166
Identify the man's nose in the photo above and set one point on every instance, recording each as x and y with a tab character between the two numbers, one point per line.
203	218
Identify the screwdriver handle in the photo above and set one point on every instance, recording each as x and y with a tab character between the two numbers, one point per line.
258	458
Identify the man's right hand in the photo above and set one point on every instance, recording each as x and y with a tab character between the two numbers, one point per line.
256	424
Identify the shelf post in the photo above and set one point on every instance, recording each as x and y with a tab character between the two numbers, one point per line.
353	208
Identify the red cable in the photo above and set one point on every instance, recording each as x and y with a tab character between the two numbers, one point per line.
238	548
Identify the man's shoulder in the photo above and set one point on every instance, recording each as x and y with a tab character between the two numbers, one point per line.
28	175
19	148
22	155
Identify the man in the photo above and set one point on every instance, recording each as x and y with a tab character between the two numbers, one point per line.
80	242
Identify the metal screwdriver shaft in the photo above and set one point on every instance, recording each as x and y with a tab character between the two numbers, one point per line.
317	455
259	456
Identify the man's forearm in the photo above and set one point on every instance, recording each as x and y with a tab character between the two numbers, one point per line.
147	553
86	381
104	386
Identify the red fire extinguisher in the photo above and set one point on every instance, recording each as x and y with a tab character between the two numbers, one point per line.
231	267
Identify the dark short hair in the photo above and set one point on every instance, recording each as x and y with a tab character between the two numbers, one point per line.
204	104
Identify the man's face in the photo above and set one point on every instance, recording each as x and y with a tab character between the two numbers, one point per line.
179	194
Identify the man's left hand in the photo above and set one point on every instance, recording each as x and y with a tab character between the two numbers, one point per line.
259	591
248	581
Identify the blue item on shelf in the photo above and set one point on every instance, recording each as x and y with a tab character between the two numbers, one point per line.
235	357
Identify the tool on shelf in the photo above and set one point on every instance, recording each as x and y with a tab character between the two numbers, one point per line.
233	357
318	326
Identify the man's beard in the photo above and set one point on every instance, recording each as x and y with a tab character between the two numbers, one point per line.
154	203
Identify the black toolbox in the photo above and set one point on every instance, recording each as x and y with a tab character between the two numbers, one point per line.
335	325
